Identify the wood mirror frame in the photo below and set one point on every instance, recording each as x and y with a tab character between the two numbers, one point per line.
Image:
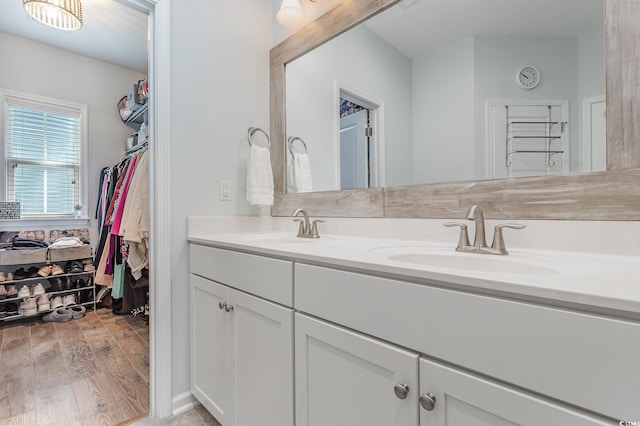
610	195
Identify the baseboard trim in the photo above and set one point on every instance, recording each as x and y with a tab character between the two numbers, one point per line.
183	403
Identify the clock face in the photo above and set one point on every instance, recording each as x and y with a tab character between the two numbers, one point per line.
528	77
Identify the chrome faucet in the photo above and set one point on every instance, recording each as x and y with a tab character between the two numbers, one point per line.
480	242
306	229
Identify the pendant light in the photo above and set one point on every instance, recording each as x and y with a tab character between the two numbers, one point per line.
60	14
290	13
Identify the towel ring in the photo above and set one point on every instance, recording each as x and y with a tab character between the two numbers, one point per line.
253	130
292	139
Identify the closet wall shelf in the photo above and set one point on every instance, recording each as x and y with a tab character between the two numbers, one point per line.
137	117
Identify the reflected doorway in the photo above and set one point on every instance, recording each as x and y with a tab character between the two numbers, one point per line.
360	150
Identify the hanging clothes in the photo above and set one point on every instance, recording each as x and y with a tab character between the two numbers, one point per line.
123	213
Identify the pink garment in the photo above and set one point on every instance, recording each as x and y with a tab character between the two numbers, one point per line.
122	198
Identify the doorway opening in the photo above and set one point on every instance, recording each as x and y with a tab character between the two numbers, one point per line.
361	139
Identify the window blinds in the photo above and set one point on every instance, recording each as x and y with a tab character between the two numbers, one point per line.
42	152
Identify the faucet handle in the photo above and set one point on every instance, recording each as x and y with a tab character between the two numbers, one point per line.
314	228
498	239
301	228
463	240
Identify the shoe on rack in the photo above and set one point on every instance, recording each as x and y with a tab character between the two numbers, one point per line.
74	267
3	292
12	291
44	271
3	276
20	274
67	283
3	310
87	261
89	268
37	290
43	303
78	283
24	292
56	269
77	311
68	300
56	283
32	272
28	307
12	308
56	302
58	315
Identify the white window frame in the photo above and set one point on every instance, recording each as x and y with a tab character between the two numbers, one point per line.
83	169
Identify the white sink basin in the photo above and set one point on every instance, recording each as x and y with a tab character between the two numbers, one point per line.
447	258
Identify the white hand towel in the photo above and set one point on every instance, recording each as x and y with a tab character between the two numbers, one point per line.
259	177
301	172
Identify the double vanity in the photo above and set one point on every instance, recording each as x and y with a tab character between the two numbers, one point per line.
350	330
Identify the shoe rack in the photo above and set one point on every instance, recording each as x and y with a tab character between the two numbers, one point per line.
61	277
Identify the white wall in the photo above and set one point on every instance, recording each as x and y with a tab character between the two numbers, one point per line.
497	60
360	60
38	69
443	114
219	87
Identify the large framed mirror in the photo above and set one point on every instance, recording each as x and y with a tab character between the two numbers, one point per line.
571	190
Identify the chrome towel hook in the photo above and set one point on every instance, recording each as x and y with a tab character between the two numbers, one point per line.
292	139
253	130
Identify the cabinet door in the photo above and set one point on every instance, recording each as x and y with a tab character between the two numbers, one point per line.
262	357
344	378
211	369
462	399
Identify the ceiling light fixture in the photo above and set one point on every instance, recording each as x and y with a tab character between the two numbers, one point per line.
60	14
290	13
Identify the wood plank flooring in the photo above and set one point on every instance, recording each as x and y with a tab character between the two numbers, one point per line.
92	371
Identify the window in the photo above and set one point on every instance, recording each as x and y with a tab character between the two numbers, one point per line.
43	154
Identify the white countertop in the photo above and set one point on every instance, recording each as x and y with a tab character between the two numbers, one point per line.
591	280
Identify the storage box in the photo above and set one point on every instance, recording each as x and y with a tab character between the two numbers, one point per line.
17	257
69	253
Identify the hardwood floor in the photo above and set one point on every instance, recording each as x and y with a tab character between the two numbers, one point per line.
88	371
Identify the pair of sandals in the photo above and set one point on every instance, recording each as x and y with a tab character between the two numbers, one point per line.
65	314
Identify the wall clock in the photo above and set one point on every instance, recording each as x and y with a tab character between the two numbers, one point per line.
528	77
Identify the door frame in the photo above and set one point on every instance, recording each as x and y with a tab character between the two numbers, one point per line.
159	205
376	119
587	143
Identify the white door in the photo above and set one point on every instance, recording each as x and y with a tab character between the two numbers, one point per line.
347	379
262	339
354	151
211	381
462	399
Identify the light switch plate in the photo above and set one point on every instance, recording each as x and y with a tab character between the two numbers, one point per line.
225	190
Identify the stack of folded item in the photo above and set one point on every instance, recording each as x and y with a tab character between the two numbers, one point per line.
19	243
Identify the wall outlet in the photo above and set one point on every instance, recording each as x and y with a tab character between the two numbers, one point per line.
225	190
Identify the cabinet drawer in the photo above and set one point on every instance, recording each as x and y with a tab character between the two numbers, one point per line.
586	360
269	278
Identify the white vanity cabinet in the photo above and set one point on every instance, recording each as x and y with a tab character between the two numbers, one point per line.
572	358
241	343
453	397
346	379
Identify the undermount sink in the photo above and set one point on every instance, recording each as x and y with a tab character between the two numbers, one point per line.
447	258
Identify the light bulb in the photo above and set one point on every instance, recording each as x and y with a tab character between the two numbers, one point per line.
290	13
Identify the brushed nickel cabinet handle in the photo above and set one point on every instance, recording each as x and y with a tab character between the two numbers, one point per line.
401	390
428	401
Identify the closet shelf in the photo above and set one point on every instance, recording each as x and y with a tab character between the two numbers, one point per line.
137	117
